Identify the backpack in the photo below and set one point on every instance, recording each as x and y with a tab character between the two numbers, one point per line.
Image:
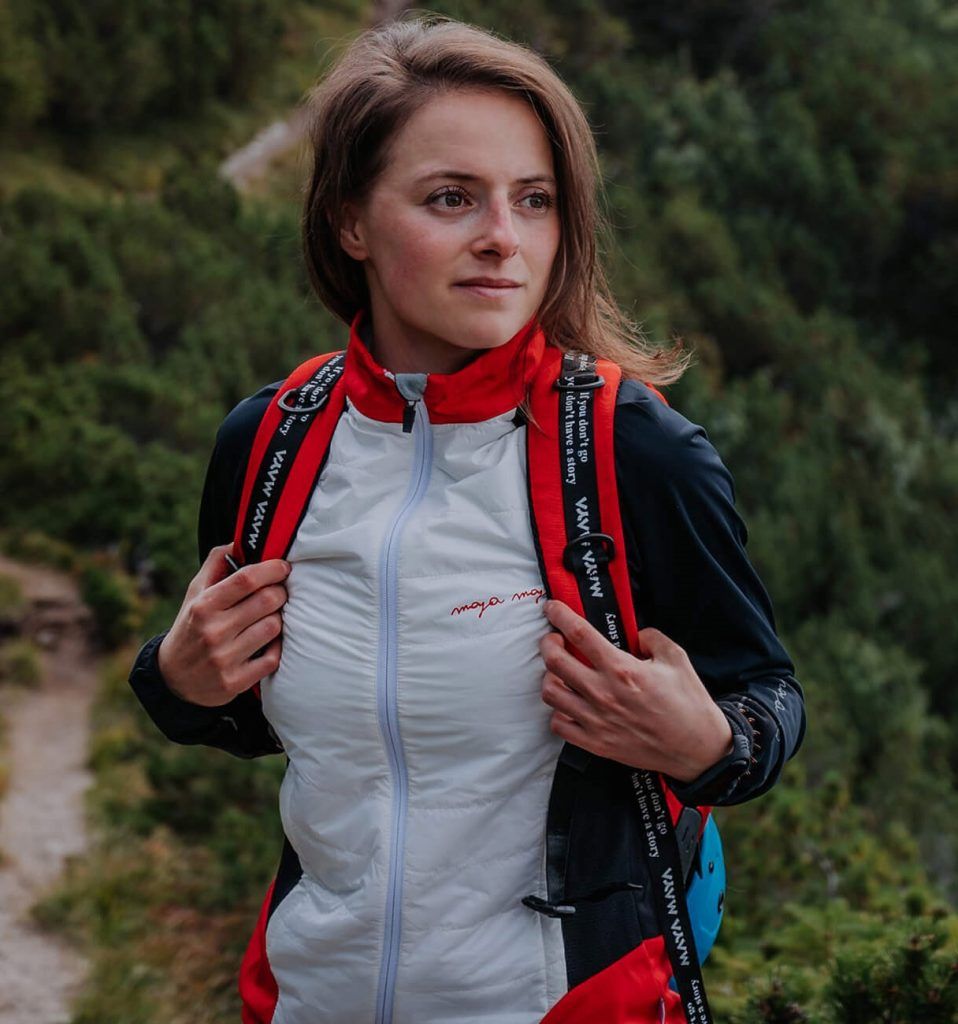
581	547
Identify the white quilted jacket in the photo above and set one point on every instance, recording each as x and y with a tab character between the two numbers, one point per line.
409	703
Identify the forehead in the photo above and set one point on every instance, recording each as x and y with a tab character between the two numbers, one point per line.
483	132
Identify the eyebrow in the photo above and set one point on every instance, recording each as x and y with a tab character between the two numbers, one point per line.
463	176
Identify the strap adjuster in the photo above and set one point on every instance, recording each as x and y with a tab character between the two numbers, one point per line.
282	403
604	554
574	384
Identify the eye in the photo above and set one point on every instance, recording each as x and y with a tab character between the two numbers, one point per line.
454	190
546	200
543	200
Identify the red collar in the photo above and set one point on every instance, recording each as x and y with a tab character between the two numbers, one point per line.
492	384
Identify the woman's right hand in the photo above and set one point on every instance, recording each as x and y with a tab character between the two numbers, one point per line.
206	657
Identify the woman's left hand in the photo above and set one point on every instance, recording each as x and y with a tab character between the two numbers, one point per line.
652	713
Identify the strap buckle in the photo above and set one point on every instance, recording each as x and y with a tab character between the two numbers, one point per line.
604	555
283	404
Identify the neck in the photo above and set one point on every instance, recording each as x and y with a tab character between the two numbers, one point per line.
400	357
398	352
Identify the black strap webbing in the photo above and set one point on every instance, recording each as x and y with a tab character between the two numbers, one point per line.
299	404
587	556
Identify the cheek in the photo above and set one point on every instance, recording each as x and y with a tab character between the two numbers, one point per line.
547	247
414	253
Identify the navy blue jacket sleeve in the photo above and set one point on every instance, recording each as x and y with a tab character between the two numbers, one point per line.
693	581
239	726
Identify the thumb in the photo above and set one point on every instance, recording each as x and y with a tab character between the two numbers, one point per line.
653	643
215	568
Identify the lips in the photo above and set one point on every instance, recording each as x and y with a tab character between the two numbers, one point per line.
489	293
487	282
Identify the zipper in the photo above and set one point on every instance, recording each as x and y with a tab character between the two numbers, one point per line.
411	387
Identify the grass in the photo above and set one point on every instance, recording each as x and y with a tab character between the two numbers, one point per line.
19	662
12	602
185	843
35	546
19	665
4	764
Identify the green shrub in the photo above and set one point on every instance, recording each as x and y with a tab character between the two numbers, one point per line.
112	598
35	546
12	603
785	199
19	663
915	978
88	67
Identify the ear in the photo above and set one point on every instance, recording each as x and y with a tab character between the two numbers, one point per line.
352	233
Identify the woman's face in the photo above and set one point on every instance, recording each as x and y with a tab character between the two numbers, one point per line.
468	192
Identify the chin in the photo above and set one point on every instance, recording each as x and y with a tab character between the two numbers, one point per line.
488	330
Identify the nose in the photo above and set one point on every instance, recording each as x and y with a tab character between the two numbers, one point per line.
498	232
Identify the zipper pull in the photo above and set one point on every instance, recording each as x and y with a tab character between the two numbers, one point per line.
412	387
409	417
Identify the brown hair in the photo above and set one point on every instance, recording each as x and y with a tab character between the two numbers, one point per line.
385	75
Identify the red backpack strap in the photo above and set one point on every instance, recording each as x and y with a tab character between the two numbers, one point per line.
288	454
578	522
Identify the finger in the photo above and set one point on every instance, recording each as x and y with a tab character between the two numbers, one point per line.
256	669
265	601
580	633
570	730
214	567
557	695
580	678
247	580
255	636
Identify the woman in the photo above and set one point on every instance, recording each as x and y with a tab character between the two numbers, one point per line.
451	221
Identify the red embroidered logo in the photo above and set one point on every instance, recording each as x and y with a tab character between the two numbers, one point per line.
490	602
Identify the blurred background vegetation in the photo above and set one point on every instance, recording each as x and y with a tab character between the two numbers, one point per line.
783	182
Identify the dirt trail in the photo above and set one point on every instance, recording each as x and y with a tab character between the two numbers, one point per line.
251	162
42	815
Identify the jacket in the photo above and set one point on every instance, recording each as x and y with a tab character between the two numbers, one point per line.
408	699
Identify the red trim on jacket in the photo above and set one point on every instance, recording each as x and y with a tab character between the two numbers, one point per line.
492	384
257	986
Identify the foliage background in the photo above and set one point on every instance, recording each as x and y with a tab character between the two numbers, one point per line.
782	179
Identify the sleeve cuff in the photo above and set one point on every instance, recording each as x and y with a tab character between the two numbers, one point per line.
717	783
239	726
151	688
163	705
